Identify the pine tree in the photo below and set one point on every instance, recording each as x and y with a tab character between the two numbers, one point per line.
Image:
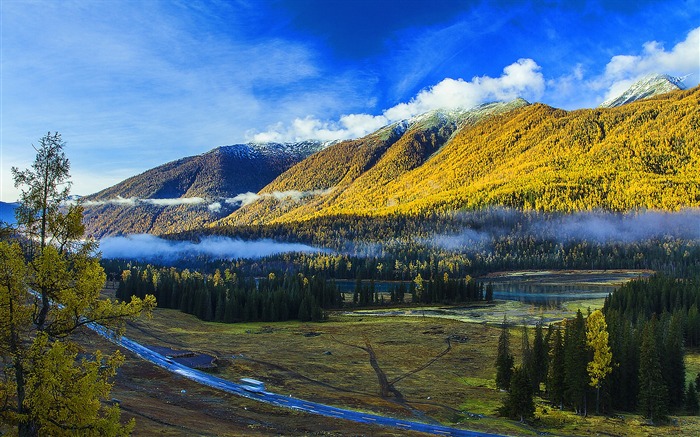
576	359
653	393
556	374
539	357
504	359
673	362
528	364
691	400
489	292
519	403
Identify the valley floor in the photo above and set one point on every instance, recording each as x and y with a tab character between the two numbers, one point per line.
439	369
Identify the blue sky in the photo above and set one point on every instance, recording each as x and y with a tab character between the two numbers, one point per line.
133	84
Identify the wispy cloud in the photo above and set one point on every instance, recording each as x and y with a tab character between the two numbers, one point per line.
212	205
244	199
132	86
519	79
636	226
149	247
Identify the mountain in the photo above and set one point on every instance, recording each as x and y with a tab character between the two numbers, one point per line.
349	175
190	192
644	155
649	86
7	212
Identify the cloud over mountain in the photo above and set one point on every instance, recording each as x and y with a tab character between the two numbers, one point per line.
519	79
683	59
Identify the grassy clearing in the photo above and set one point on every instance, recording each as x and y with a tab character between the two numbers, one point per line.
326	362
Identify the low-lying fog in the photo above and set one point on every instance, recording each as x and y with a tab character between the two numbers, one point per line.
150	247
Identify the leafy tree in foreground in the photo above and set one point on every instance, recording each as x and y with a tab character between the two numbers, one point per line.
597	339
49	289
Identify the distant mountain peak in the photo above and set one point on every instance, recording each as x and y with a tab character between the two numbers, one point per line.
301	148
650	85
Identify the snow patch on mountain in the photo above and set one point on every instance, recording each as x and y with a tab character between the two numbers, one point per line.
257	150
649	86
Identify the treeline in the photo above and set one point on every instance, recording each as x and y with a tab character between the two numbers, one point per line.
631	360
232	296
470	243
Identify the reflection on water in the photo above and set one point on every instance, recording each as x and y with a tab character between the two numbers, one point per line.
551	289
545	289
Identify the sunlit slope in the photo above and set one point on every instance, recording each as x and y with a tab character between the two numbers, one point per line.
347	171
644	154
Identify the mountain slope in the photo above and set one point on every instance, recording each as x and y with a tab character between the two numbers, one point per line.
190	192
348	170
7	212
644	154
649	86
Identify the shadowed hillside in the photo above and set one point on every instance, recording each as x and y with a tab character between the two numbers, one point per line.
190	192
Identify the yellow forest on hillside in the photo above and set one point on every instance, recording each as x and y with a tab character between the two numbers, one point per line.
643	155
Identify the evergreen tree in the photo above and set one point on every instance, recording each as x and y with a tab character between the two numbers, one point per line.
556	373
504	359
489	292
539	357
575	362
528	364
519	403
673	362
653	393
691	400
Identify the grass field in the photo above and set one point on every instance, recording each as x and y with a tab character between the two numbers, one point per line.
329	362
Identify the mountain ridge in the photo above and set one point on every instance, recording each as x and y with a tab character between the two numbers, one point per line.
532	157
189	192
649	86
424	162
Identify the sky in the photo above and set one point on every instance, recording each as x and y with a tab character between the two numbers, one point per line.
133	84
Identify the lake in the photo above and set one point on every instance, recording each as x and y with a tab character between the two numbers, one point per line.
552	288
548	288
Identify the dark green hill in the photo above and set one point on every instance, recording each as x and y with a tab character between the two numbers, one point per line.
190	192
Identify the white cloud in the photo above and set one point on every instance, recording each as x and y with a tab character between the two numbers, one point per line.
585	89
243	198
294	195
623	70
174	202
116	201
214	207
520	79
133	201
149	247
682	59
